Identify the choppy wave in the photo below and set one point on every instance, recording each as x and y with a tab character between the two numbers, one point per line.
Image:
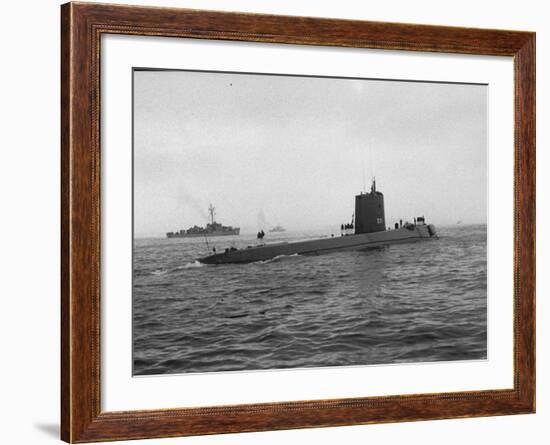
405	303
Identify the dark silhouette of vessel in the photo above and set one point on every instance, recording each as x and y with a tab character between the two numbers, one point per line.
277	228
366	230
213	228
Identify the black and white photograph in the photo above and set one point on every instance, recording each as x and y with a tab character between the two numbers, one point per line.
293	221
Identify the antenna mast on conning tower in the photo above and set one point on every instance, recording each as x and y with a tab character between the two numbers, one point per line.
364	190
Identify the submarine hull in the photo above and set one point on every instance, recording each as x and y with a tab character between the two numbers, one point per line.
323	245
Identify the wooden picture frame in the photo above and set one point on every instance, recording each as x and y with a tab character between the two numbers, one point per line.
82	25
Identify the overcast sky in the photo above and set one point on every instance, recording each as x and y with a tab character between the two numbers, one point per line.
297	149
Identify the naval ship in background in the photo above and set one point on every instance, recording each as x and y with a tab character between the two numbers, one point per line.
212	229
367	229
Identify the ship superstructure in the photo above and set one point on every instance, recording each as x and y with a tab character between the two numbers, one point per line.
211	229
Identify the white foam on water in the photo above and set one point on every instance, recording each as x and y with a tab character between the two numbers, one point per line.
278	258
191	265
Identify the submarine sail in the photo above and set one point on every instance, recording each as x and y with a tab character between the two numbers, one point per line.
369	211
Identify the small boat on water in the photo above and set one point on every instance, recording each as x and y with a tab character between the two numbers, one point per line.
367	229
277	228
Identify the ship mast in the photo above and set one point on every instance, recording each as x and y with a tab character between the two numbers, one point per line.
211	210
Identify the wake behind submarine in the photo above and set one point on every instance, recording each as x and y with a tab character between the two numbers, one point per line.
369	227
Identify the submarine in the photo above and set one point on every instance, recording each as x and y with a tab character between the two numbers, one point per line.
367	229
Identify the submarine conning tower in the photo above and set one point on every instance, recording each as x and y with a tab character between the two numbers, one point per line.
369	211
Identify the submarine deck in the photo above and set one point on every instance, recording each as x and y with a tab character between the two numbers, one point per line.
322	245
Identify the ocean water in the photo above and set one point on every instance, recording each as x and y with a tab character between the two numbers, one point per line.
418	302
